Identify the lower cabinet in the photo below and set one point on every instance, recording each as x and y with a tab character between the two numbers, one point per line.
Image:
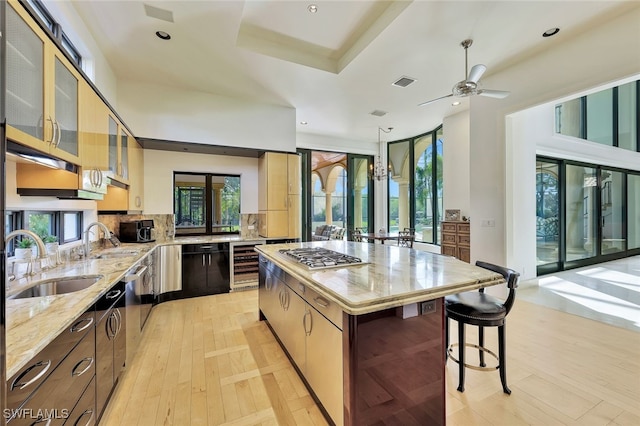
111	350
50	385
312	341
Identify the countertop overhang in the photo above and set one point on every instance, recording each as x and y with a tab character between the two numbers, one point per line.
389	277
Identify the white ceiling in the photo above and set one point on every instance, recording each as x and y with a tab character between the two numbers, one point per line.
335	66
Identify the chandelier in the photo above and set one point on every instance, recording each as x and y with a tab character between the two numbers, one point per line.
378	171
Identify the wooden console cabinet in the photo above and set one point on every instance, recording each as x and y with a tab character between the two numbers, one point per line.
456	239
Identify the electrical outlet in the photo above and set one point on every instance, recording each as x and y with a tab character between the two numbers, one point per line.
427	307
488	223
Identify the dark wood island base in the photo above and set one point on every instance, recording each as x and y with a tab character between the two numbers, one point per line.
394	368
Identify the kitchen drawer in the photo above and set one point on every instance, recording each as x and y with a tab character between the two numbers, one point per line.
327	308
63	388
84	413
24	382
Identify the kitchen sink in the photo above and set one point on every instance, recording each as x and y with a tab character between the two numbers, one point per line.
55	286
115	254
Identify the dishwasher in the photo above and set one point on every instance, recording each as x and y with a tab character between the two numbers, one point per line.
133	281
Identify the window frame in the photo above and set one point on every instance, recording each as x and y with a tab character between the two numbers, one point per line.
19	219
412	182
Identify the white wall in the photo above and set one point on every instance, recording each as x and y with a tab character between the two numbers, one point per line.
95	63
160	165
589	60
163	112
455	174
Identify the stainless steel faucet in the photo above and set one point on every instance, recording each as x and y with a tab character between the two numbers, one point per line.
42	251
107	235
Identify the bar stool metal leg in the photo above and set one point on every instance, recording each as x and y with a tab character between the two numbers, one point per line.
481	343
503	359
461	350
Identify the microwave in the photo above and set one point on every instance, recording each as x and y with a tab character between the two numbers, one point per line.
138	231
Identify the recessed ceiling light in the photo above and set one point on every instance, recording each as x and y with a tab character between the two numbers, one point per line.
304	123
163	35
456	103
312	8
551	32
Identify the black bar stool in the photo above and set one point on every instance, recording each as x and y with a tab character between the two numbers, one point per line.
482	310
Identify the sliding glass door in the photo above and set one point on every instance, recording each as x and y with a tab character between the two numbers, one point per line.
612	205
581	215
585	214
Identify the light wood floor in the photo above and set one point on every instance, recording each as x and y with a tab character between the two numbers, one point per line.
209	361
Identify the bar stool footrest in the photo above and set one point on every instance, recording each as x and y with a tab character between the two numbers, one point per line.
474	367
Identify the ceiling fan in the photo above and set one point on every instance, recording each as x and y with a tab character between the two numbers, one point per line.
469	87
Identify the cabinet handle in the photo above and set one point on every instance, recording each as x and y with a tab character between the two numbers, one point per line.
267	283
46	421
16	383
118	321
59	134
110	328
75	328
113	294
80	373
304	322
209	259
53	130
87	412
321	301
203	260
101	178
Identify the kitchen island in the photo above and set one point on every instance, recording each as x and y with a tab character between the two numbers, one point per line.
367	338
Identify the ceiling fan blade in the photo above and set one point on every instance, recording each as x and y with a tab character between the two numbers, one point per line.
433	100
476	72
498	94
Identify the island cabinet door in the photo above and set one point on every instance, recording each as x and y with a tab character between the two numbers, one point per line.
291	332
324	362
268	288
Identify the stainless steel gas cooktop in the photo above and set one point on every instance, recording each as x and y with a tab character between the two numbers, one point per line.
318	257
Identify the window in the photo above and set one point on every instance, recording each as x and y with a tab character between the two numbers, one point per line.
206	203
608	117
66	226
46	19
415	185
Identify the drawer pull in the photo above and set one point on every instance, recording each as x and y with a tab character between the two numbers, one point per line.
75	328
87	412
16	383
87	368
113	294
322	302
46	421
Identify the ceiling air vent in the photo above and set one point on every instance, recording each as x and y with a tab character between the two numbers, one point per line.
403	81
378	113
156	12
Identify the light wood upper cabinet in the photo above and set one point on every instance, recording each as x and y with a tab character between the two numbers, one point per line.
42	89
118	142
293	174
273	192
136	175
279	195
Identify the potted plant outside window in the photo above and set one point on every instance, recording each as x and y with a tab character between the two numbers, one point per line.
24	249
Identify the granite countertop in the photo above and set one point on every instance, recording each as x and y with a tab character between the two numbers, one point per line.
32	323
390	277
